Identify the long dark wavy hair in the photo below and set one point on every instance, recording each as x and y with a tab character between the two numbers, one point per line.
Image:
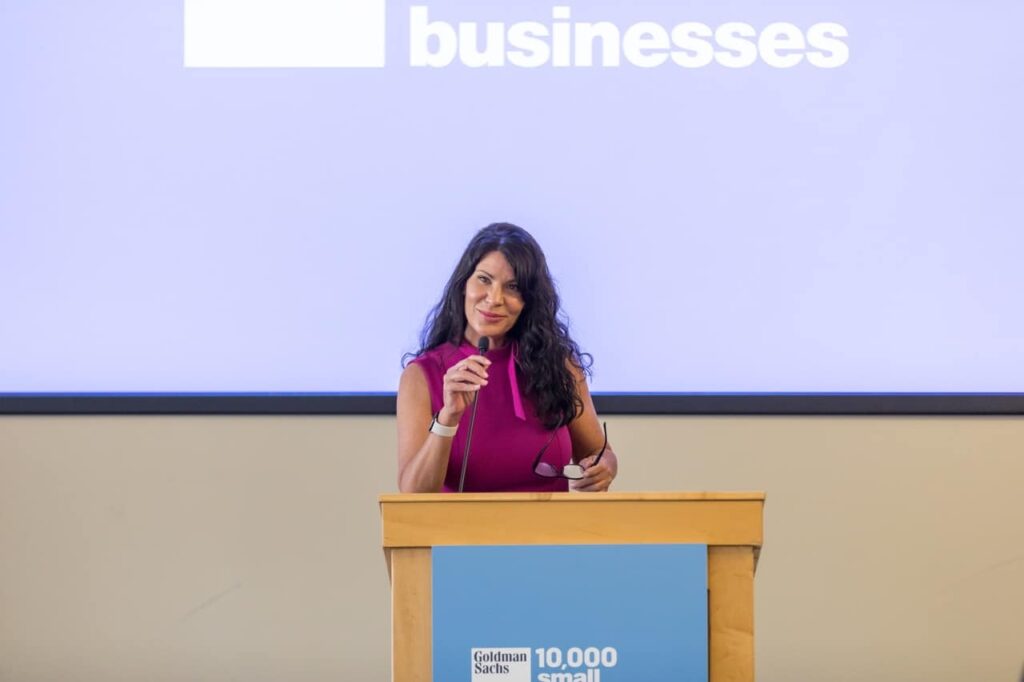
545	349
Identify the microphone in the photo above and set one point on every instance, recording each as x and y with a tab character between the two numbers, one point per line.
482	345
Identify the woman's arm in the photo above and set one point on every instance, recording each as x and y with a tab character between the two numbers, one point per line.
587	439
422	455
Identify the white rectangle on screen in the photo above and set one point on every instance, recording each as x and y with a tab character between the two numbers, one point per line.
284	33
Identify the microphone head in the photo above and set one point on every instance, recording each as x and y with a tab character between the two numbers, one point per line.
483	344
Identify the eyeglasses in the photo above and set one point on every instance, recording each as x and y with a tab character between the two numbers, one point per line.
573	472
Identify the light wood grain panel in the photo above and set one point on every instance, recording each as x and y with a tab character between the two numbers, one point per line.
731	613
411	622
463	498
567	518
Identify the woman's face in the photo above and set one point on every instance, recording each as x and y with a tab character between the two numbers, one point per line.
493	301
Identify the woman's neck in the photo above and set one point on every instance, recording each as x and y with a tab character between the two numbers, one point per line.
496	341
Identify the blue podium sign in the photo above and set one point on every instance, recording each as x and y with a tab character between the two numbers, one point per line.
578	613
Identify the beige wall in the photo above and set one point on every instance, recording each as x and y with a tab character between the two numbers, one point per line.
218	548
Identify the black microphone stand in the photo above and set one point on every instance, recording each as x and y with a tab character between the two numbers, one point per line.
482	345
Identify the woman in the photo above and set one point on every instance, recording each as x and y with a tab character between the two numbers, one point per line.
534	411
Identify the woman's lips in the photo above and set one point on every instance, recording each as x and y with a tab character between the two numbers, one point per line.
490	317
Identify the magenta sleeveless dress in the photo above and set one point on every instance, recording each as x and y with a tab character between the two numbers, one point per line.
507	435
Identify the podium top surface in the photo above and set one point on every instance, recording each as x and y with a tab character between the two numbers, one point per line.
571	497
712	518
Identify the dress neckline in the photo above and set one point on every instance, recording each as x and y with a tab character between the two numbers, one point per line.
505	354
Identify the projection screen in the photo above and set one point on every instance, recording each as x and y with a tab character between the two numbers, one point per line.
220	205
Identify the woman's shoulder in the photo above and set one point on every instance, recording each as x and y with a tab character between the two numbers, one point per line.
438	358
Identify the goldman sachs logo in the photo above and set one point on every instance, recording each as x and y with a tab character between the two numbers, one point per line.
352	34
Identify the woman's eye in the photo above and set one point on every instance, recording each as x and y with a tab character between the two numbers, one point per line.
513	287
483	279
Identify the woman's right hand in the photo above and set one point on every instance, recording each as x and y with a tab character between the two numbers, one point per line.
461	383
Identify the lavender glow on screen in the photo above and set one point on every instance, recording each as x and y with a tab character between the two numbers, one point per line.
855	227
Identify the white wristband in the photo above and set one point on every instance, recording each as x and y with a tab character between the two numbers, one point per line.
439	429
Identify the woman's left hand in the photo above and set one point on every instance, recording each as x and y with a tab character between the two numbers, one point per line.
596	477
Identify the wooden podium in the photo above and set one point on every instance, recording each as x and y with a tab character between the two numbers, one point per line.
730	524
